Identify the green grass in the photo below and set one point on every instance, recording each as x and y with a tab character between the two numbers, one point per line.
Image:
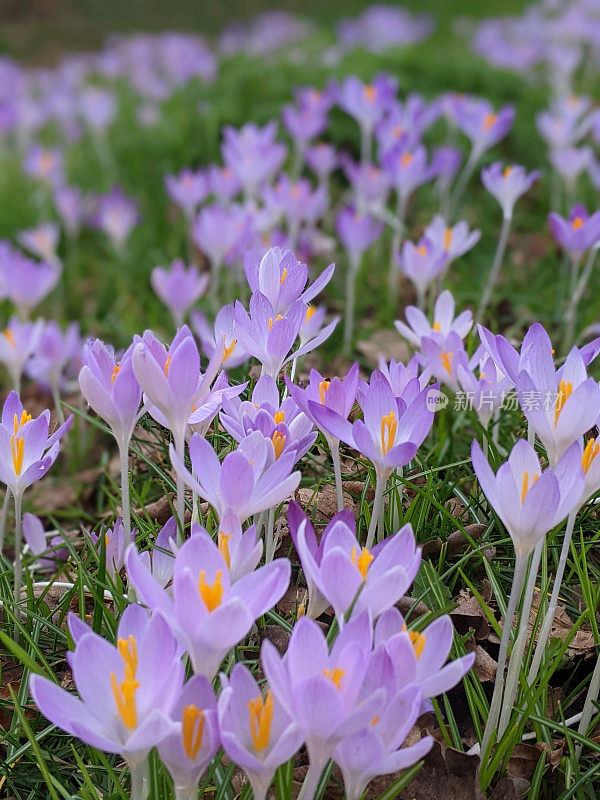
111	298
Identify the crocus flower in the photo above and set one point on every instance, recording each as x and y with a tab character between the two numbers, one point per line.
530	501
352	577
560	405
485	392
370	183
221	232
444	321
187	751
444	166
250	479
577	234
160	561
57	359
421	263
507	184
420	657
117	216
571	162
69	203
207	613
116	543
222	331
179	288
45	164
97	107
322	158
398	374
240	549
484	126
110	387
307	118
25	282
127	691
41	241
29	451
187	189
223	183
441	357
378	749
357	231
281	278
320	689
296	201
367	103
408	169
256	730
253	154
17	343
453	240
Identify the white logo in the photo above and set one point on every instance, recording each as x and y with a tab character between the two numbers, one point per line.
436	400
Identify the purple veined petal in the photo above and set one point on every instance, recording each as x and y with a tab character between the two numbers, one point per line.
390	623
77	627
447	677
187	477
96	396
61	707
296	517
484	473
340	580
407	756
439	636
379	594
236	483
34	534
318	707
276	673
307	651
150	592
318	284
400	455
150	733
333	423
363	442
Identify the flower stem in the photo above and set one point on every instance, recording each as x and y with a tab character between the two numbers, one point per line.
515	595
380	482
57	404
516	657
311	780
394	272
17	563
551	611
334	447
495	270
270	536
140	785
576	294
180	483
589	707
461	183
125	498
351	274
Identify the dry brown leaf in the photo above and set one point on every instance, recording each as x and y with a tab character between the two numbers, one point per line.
386	343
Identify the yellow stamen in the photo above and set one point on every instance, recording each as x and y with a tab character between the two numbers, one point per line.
278	317
447	238
124	693
525	487
436	327
577	223
363	561
167	365
418	642
17	447
278	440
212	594
228	350
565	389
192	730
284	273
422	250
446	359
398	131
489	121
309	312
406	160
389	425
279	416
506	172
375	719
323	387
115	372
261	717
11	337
19	422
370	93
223	545
335	675
589	454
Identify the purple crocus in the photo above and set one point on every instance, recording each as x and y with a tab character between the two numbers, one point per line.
354	579
187	190
453	240
421	263
408	169
45	164
378	748
367	102
441	357
485	391
253	154
49	554
207	612
70	206
322	158
25	282
483	126
117	215
577	233
222	331
41	241
116	542
560	405
250	479
57	359
179	288
221	232
127	691
444	321
507	184
257	732
240	549
223	183
530	500
357	231
307	118
18	342
320	689
187	751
